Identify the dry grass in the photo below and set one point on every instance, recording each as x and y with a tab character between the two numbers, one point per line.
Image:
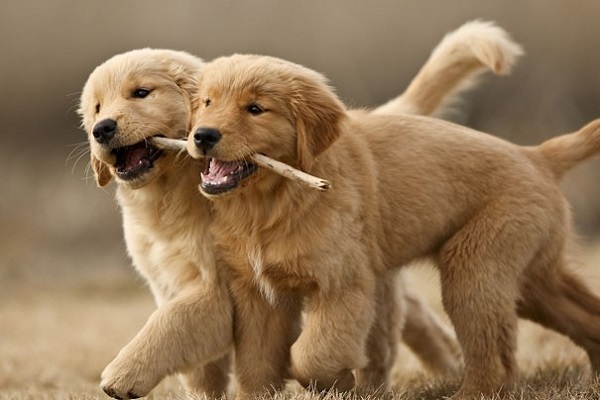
55	343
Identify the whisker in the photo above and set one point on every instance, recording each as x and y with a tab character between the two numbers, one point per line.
77	151
246	151
72	108
87	174
78	159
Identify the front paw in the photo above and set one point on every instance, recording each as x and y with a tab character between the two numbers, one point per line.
314	374
126	378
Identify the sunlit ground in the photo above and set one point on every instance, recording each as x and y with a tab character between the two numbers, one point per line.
54	344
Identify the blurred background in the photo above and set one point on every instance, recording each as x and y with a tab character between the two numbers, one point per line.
59	232
57	227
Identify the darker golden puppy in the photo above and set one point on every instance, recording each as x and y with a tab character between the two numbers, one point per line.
488	212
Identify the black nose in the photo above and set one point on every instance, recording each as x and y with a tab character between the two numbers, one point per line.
206	138
104	130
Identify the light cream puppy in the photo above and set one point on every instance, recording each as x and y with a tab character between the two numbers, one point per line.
489	213
145	93
126	100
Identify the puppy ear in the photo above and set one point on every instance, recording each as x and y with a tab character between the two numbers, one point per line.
186	80
101	171
184	69
319	115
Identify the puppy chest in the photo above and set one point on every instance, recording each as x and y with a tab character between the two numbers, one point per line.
279	277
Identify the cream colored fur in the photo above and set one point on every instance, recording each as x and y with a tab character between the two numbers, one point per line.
166	224
489	213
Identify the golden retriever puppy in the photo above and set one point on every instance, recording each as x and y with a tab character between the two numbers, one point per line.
488	212
126	100
145	93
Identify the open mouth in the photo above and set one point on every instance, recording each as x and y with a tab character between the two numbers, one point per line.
222	176
135	160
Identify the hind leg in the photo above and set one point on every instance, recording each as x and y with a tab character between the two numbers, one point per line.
484	316
557	299
402	315
432	342
480	267
382	344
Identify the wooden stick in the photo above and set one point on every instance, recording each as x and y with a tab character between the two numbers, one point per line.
291	173
266	162
169	144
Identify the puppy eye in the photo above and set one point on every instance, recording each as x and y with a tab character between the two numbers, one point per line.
97	108
140	93
255	109
206	102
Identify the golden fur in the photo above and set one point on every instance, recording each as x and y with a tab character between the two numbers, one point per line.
166	220
488	212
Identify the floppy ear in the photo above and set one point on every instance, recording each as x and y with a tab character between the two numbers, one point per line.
319	115
184	68
186	80
101	171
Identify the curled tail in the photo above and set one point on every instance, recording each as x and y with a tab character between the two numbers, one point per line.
564	152
454	66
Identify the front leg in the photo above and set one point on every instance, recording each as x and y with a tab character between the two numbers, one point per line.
194	327
210	380
264	333
333	341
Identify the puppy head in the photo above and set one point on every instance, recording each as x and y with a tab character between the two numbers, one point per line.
254	104
129	98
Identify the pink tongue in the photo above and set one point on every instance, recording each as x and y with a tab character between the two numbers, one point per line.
134	157
220	169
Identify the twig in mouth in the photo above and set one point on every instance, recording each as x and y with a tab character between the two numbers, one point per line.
261	160
290	172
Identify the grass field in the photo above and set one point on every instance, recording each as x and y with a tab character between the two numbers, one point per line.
54	344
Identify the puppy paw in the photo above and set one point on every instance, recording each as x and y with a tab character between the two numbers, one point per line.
341	381
114	394
315	375
126	379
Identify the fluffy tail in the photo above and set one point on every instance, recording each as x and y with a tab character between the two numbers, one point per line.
454	66
564	152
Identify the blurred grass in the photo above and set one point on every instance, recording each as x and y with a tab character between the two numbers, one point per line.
55	343
58	230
